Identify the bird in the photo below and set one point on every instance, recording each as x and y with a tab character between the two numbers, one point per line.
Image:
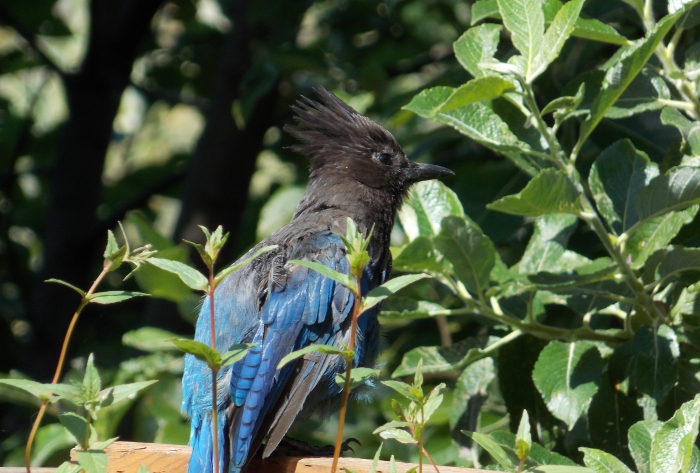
357	170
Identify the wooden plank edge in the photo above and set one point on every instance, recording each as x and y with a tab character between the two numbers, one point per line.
127	457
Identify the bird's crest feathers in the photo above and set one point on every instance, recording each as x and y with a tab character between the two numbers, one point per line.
329	129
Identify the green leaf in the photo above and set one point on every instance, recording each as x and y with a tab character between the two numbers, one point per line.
657	233
540	456
68	467
656	360
525	20
326	349
546	251
601	462
596	30
358	376
672	444
640	436
646	92
389	288
92	461
472	382
199	350
142	469
91	380
397	434
478	44
58	281
236	353
690	131
493	448
190	276
114	254
484	9
151	339
688	303
478	120
427	204
110	297
406	390
432	402
341	278
677	260
50	440
617	176
42	391
444	359
559	31
476	90
408	308
691	67
677	189
548	192
567	375
115	394
418	256
565	104
621	74
240	263
75	425
471	253
523	439
375	460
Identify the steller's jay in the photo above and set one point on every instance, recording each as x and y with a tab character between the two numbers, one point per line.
357	170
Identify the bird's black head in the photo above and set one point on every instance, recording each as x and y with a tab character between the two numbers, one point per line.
343	144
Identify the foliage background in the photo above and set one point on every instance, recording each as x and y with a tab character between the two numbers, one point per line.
168	115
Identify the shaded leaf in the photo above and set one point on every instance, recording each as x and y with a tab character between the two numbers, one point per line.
471	253
123	391
110	297
473	381
657	233
621	74
484	9
76	289
617	176
559	31
75	425
656	367
567	375
546	250
419	255
236	353
443	359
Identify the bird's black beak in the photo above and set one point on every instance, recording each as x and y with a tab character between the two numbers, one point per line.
416	172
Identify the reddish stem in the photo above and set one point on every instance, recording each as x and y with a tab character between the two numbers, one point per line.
214	373
348	371
59	366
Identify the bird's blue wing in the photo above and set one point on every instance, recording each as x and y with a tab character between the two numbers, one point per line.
302	307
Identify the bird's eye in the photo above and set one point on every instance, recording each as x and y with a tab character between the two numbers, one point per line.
384	158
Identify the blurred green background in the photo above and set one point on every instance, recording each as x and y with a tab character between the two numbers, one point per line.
168	115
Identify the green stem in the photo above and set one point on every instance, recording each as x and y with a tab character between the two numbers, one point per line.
641	297
542	127
61	362
348	373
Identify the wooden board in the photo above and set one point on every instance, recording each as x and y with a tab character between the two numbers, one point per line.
126	457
